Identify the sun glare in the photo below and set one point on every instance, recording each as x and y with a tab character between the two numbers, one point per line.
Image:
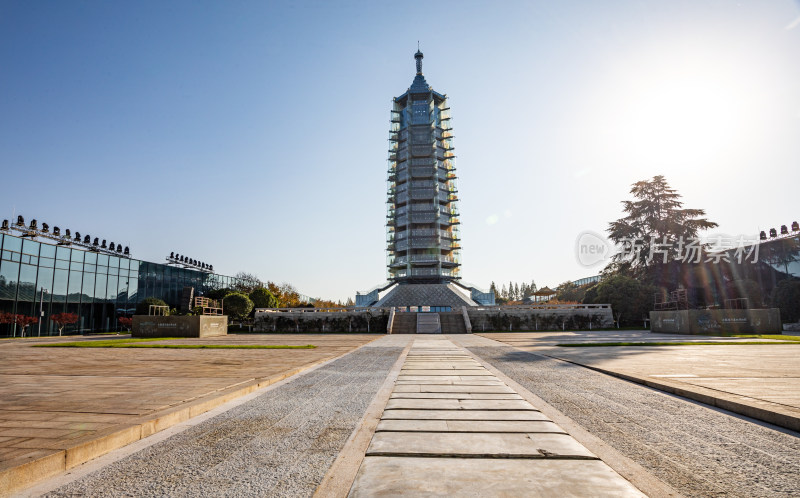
684	108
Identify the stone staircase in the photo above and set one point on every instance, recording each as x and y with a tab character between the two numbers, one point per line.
404	323
452	323
428	323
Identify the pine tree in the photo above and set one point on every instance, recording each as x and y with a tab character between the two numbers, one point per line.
655	217
504	292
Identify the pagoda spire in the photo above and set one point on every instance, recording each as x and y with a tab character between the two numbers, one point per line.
418	56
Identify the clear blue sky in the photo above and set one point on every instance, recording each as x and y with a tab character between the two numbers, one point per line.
253	135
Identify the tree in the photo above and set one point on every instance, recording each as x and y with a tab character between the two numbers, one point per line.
218	293
237	305
568	291
655	217
124	321
630	299
63	319
247	282
493	288
504	292
24	321
263	298
143	308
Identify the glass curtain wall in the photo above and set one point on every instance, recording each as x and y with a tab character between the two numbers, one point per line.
99	288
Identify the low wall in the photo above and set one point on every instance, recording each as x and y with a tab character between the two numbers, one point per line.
321	320
541	317
179	326
701	322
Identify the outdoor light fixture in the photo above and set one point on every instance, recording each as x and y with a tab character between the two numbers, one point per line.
34	225
103	245
784	230
67	233
45	228
20	221
763	235
5	225
56	232
87	240
178	259
111	247
119	249
77	236
795	226
127	251
773	233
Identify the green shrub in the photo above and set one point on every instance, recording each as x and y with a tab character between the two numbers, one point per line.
263	298
237	305
143	308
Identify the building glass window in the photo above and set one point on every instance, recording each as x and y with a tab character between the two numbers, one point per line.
62	253
74	287
9	273
100	287
88	287
60	285
27	283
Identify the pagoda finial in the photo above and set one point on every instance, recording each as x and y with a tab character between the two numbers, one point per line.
418	56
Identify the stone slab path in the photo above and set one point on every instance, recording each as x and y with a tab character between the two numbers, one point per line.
452	428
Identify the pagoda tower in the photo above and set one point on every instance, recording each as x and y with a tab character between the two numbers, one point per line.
423	244
423	249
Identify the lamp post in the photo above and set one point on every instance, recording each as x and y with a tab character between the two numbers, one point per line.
41	310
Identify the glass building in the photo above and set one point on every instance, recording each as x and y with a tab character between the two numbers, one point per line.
423	244
98	287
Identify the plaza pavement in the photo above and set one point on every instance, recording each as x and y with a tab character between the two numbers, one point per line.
60	407
762	382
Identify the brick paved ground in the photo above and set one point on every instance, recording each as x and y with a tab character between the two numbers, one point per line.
53	399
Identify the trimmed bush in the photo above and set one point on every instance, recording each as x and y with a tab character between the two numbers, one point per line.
143	308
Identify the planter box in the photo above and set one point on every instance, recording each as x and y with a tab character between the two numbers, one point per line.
179	326
701	322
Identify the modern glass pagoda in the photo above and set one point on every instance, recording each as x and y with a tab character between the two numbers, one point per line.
422	213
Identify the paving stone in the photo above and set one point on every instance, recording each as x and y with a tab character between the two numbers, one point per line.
463	415
497	445
423	477
457	404
446	371
468	426
405	395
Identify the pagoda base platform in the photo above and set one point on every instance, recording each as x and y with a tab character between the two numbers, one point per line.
433	295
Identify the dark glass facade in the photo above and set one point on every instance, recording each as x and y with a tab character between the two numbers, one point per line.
98	287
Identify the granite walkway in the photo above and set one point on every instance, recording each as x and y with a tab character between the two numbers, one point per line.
452	428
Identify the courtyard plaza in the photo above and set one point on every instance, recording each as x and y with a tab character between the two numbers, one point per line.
493	414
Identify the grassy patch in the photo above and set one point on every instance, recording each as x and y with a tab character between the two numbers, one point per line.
104	343
767	336
696	343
